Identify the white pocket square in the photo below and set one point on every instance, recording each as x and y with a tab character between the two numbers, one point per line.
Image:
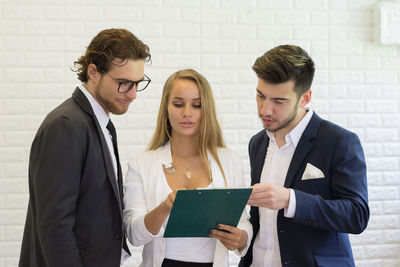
312	172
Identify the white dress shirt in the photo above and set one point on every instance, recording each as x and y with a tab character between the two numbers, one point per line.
146	187
277	160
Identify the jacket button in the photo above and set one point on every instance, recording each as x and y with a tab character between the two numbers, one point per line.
118	236
287	262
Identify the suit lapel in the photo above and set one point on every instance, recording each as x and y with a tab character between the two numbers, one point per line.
259	160
302	149
83	102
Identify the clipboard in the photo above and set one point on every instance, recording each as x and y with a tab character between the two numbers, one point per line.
195	212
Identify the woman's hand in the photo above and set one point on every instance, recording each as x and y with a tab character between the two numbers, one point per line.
232	238
155	218
169	201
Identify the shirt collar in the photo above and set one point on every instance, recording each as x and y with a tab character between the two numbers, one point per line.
99	112
295	134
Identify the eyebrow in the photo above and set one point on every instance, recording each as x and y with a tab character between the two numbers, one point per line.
127	80
181	98
274	98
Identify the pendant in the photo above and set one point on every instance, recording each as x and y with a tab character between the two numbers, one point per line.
188	174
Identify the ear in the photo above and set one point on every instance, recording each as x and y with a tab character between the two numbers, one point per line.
305	98
93	74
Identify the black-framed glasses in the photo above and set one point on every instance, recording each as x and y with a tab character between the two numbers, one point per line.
126	85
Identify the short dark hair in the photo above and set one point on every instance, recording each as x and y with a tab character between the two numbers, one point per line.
108	45
284	63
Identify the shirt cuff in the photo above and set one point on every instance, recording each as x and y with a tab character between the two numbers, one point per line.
138	234
243	250
291	209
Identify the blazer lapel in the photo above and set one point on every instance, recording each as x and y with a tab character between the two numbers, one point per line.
83	102
302	149
259	160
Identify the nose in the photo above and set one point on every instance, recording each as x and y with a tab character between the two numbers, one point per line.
187	111
131	94
266	109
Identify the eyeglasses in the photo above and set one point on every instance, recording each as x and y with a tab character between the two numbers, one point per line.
126	85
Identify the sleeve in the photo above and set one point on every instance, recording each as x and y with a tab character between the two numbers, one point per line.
55	170
135	207
347	210
291	209
244	223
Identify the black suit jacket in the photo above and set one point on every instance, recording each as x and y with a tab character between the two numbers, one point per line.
74	215
326	208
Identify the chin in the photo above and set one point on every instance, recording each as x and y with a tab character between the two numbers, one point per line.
188	134
118	111
270	128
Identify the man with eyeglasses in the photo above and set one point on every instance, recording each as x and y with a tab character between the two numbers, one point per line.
75	206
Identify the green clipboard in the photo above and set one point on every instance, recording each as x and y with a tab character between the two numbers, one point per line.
195	212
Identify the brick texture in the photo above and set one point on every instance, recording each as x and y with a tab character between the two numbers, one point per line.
356	85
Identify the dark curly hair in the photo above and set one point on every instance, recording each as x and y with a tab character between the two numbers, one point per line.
109	45
284	63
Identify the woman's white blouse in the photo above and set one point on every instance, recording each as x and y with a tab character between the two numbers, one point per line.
146	187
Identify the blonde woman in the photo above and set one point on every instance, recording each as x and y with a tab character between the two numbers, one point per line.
187	151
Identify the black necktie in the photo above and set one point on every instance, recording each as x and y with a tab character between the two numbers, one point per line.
111	129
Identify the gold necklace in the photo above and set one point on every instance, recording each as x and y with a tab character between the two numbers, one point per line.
171	169
188	173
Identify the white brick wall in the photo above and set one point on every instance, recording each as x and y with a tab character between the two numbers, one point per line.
356	85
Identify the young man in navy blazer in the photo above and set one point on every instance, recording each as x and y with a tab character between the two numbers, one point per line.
308	175
75	182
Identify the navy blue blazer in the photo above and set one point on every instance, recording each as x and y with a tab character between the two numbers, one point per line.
327	209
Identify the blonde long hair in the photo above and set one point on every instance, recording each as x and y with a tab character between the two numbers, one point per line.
210	137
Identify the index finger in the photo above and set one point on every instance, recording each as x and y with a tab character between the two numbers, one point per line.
226	227
257	188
